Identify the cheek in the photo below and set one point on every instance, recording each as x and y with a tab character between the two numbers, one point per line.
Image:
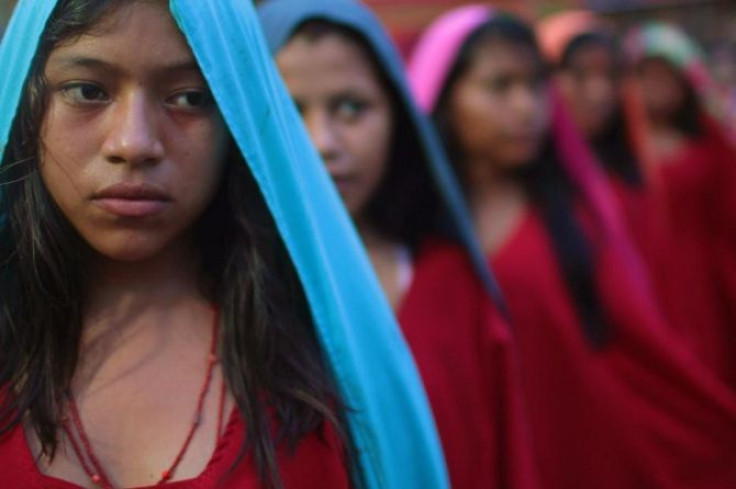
544	113
201	170
64	165
474	117
62	184
197	184
569	88
370	145
661	92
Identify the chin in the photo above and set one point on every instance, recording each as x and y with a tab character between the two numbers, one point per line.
520	159
130	249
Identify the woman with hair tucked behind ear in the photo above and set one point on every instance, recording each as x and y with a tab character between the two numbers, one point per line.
614	400
171	311
348	83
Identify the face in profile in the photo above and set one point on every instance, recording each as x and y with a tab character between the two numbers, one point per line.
664	90
133	144
346	110
499	106
589	84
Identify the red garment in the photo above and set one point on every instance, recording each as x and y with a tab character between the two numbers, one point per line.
684	225
467	362
641	413
318	462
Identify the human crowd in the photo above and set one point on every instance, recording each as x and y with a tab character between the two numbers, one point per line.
549	210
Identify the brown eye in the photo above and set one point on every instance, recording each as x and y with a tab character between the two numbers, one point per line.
191	99
83	93
349	109
498	85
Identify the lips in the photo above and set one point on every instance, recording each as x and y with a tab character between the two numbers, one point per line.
342	184
136	200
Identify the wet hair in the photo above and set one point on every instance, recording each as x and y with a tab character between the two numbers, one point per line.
544	179
613	145
406	204
268	349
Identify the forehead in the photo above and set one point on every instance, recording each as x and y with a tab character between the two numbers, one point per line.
593	55
328	62
495	56
138	32
659	67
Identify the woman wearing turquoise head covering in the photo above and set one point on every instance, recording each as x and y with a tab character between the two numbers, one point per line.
175	299
348	82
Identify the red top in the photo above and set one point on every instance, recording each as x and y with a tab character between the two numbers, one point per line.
685	227
317	463
642	413
467	362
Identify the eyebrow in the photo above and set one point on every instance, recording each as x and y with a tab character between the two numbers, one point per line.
68	62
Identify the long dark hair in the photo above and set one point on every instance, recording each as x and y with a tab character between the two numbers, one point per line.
270	355
545	180
406	205
613	145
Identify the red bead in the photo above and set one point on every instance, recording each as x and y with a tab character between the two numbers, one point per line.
165	475
96	478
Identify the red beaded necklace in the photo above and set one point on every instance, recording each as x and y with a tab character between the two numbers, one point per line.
83	448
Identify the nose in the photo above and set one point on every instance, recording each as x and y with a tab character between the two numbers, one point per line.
134	132
601	91
324	135
527	102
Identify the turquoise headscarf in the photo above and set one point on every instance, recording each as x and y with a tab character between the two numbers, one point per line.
390	420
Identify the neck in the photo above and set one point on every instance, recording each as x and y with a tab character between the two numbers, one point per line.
372	238
664	138
145	284
497	200
489	186
390	262
126	299
132	309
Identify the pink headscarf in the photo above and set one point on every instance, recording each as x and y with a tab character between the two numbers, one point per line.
437	49
557	31
430	65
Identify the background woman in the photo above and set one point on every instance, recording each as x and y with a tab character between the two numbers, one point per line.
154	327
593	348
348	83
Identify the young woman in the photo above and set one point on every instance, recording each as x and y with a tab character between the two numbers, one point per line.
689	158
347	81
590	71
613	400
590	75
154	328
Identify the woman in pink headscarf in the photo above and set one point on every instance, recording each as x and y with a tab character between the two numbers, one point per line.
615	400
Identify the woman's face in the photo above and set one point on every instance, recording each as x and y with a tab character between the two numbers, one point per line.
346	109
499	107
133	144
663	89
589	85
